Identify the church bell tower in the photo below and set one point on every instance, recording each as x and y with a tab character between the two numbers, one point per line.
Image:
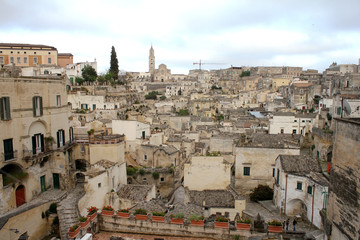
151	61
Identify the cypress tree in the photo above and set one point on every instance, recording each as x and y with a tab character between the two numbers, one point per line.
114	65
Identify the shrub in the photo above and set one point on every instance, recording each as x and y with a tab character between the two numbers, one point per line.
108	208
156	175
124	210
140	211
142	172
244	220
275	223
82	219
221	219
91	210
194	217
261	193
160	214
130	171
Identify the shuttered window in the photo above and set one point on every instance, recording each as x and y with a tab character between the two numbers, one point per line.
5	108
37	106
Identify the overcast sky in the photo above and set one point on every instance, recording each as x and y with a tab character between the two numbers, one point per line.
308	33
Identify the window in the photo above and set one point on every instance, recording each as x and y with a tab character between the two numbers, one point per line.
294	131
246	171
8	149
60	138
273	172
5	108
282	131
309	190
278	176
299	186
309	121
49	60
145	157
162	179
25	60
34	52
84	106
71	134
99	185
295	120
11	59
38	143
302	120
18	60
104	106
35	60
37	106
1	60
58	100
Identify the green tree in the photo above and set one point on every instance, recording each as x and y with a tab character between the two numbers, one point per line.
162	98
183	112
152	95
114	64
261	193
89	74
101	79
245	74
79	80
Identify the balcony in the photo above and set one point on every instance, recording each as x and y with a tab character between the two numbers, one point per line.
99	139
9	156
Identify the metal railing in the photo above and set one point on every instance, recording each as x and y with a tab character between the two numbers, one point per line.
8	156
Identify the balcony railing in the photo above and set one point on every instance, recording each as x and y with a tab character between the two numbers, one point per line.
99	139
8	156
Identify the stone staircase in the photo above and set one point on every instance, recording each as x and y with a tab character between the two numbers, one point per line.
68	211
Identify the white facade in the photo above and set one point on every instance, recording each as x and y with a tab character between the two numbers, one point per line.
289	123
131	129
90	102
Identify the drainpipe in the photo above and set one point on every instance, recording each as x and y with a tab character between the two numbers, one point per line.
286	176
312	207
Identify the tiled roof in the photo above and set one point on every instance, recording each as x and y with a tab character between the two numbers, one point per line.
299	164
26	46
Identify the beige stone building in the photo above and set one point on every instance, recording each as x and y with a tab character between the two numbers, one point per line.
27	55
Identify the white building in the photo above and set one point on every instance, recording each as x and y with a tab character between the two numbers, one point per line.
300	188
291	123
81	100
131	129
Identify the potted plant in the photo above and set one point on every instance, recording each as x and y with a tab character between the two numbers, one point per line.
275	226
107	211
197	220
158	217
92	212
243	224
123	213
74	231
221	222
84	221
177	218
141	214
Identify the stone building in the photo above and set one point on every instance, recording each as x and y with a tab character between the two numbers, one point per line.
36	146
255	158
291	123
344	199
299	187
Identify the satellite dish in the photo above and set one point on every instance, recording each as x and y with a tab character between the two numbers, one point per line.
346	107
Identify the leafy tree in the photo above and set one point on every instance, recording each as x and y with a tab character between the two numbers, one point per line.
101	79
261	193
162	98
114	64
152	95
89	73
183	112
220	117
79	80
245	74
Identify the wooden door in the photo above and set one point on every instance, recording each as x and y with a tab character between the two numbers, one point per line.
20	195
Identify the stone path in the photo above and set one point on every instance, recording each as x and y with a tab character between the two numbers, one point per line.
67	210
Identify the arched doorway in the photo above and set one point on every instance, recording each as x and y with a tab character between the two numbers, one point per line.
20	195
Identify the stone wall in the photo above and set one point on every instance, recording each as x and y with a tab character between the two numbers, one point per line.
344	201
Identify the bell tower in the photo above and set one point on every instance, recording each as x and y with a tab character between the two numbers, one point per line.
151	61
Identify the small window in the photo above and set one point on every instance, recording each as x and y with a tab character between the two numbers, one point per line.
309	121
37	106
295	120
309	190
11	59
273	172
58	100
99	185
11	52
24	52
302	120
60	138
18	60
35	60
25	60
145	157
1	60
282	131
144	179
5	108
299	186
246	171
49	52
162	179
294	131
49	60
8	149
34	52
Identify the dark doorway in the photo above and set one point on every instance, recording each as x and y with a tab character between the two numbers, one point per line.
56	180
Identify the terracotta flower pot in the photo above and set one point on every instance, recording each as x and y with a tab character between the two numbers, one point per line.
243	226
177	220
222	224
123	214
199	223
275	229
158	219
75	233
141	217
84	224
92	216
107	213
